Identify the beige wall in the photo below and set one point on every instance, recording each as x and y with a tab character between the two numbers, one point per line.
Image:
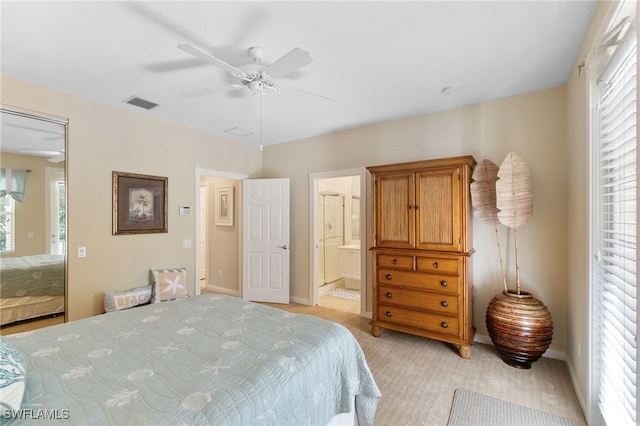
532	125
30	213
224	241
103	139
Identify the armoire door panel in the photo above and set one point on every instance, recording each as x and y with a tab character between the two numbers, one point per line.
438	218
395	195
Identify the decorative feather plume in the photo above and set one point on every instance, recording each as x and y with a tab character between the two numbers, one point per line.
483	199
483	192
513	199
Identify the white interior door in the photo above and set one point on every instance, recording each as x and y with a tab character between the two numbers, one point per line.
265	238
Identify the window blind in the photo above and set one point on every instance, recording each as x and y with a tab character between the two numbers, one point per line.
616	239
61	214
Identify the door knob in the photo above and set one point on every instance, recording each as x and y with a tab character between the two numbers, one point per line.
285	247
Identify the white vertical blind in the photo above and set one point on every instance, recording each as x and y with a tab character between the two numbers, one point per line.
61	214
7	225
615	239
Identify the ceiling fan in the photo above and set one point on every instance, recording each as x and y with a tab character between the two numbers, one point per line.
53	156
255	76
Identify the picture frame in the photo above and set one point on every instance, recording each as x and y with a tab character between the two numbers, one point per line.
224	205
139	203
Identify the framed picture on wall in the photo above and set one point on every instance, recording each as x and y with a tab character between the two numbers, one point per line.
139	203
224	205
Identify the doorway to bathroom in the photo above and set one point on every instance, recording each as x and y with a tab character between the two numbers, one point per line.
337	259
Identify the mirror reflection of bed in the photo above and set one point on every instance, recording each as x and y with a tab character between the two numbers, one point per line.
32	220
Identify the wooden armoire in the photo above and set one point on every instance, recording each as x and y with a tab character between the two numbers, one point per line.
422	249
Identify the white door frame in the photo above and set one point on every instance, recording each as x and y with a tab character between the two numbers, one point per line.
52	174
200	172
266	251
313	231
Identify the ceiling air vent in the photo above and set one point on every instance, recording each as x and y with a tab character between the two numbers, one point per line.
139	102
239	131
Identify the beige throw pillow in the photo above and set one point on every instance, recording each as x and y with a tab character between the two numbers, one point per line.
169	284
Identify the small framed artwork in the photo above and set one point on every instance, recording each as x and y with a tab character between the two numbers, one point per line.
139	204
224	205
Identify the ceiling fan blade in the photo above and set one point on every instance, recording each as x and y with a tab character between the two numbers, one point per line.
207	56
56	159
288	63
210	90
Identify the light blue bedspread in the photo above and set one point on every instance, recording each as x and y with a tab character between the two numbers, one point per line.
204	360
37	275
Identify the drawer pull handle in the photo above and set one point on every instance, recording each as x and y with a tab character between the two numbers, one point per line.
436	265
443	283
444	303
388	314
394	261
389	295
444	324
388	276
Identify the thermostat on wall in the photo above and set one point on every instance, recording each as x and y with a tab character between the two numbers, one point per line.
185	210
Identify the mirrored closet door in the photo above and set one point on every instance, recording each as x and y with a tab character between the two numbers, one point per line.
33	226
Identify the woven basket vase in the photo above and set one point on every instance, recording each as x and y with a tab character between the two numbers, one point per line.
520	327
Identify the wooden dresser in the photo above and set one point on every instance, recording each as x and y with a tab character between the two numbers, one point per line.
422	250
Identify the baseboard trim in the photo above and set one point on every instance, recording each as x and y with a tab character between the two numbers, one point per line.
223	290
301	301
577	390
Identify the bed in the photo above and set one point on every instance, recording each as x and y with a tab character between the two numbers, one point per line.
208	359
31	287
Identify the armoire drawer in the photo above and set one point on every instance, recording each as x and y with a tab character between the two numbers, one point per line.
395	261
437	265
432	322
439	283
443	303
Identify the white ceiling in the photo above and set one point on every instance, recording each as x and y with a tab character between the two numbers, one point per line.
377	61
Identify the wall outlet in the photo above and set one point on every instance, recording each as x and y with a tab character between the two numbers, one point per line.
186	243
82	252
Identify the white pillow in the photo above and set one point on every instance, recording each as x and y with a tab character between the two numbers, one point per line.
118	300
13	376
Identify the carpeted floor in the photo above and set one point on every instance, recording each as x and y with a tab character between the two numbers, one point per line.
472	408
418	376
